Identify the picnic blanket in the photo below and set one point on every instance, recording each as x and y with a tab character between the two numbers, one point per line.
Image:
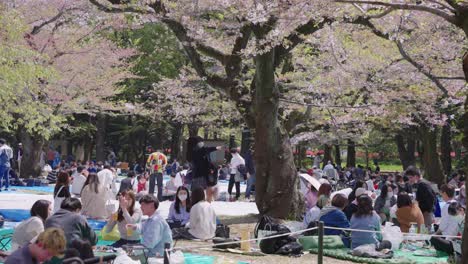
400	257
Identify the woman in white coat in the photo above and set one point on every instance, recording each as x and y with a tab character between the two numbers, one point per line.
94	198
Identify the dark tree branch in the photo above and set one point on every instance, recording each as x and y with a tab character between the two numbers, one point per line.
121	8
37	29
416	7
421	69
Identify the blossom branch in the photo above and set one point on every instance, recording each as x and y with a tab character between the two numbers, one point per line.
416	7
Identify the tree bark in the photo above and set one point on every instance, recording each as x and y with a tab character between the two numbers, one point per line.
193	130
406	151
101	125
276	186
432	166
337	155
465	145
327	156
32	148
176	141
351	157
446	148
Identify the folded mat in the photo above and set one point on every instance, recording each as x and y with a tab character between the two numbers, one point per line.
329	242
400	257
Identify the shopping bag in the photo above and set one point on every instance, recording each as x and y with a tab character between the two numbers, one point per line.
113	235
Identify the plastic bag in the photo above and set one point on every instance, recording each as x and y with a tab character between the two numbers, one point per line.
392	234
113	235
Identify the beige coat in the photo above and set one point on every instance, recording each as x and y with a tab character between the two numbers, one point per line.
94	204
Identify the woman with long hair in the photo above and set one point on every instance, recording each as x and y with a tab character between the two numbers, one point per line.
94	198
127	214
179	212
61	190
366	218
385	201
33	226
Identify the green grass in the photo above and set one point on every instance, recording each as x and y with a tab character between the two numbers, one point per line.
391	167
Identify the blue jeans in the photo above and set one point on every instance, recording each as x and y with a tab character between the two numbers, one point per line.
4	176
250	182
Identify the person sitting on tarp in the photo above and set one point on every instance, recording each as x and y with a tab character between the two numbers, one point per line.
127	214
333	216
366	218
155	232
179	212
69	219
33	226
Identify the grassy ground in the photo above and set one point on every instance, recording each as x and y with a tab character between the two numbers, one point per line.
231	258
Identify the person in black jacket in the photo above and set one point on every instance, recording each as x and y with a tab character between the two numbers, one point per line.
425	195
202	167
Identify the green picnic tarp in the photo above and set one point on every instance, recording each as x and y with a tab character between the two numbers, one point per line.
399	257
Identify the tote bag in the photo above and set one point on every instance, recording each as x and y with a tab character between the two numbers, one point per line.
58	200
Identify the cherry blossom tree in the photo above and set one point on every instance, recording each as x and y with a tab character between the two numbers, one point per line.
86	63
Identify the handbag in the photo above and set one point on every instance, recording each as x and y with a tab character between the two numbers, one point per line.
266	226
222	231
58	200
212	177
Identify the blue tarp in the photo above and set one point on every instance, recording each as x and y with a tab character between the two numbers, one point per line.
15	215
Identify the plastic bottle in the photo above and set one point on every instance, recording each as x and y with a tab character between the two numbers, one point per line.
412	229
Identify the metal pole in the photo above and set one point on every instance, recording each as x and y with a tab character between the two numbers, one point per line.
167	246
320	243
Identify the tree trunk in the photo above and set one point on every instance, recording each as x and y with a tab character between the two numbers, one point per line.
32	148
193	130
465	145
327	156
245	141
446	148
176	142
351	157
337	155
101	124
276	187
406	151
432	166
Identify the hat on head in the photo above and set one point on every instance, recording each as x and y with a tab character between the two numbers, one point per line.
360	191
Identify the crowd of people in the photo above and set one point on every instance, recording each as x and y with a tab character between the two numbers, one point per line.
406	200
83	190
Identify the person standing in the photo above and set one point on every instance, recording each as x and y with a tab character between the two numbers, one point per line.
425	196
250	165
6	154
156	163
236	161
19	157
203	168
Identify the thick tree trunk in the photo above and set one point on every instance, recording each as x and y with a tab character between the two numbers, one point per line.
406	151
176	141
101	125
432	166
465	145
351	157
446	148
327	156
276	187
337	155
32	148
